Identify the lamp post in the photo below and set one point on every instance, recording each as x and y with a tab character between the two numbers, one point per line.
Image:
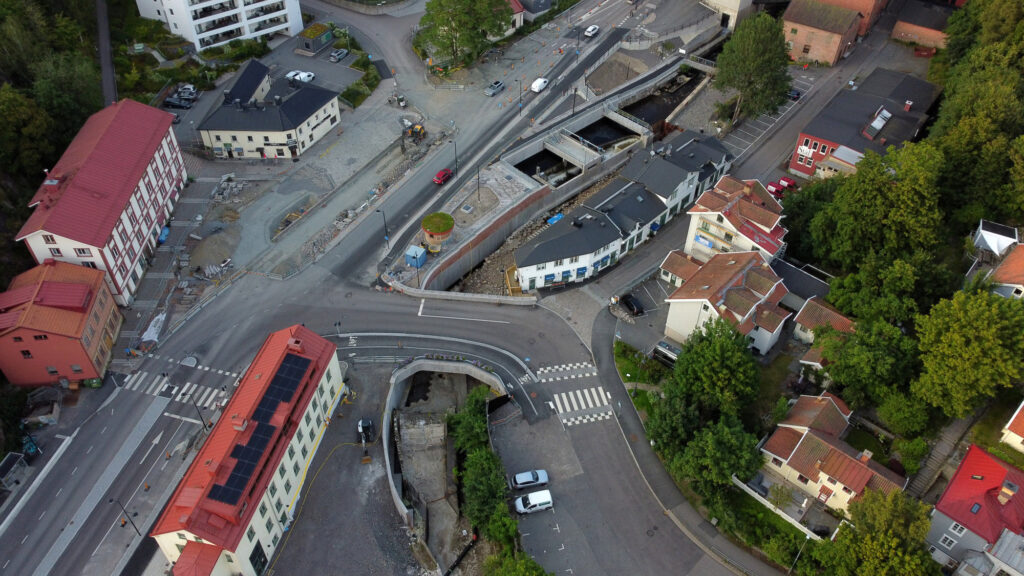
573	101
477	184
577	45
386	233
126	515
520	84
456	145
192	398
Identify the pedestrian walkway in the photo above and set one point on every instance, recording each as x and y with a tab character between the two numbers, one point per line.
583	406
190	393
942	450
566	372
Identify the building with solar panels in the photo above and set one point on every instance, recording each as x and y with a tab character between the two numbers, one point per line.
231	508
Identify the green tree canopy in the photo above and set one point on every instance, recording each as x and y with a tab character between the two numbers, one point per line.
716	453
483	485
68	87
903	414
800	209
879	290
506	564
870	363
971	346
25	133
753	62
459	29
468	426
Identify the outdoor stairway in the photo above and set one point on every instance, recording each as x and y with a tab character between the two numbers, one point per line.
941	452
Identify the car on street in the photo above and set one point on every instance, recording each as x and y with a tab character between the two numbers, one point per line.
529	479
300	76
776	190
793	95
539	84
172	102
534	502
631	304
443	176
338	55
788	182
592	31
187	94
495	87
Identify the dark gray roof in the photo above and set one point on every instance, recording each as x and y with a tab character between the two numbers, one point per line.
295	108
693	152
997	228
850	112
657	174
925	14
799	282
689	152
610	214
248	79
822	16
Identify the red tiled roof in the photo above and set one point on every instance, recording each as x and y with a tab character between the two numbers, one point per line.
54	297
782	442
840	403
1016	423
84	195
1011	269
220	523
769	316
197	559
811	450
816	313
814	355
822	413
680	264
819	452
516	6
748	199
717	275
971	498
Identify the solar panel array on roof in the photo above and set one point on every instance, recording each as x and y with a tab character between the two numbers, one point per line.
282	388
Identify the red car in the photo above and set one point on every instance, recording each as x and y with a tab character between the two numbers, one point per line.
442	176
787	182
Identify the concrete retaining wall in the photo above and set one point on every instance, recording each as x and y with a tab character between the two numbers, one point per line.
459	296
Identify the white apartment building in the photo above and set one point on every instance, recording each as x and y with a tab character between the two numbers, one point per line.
208	23
112	191
736	216
238	497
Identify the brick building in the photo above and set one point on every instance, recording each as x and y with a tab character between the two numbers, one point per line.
818	32
922	23
869	11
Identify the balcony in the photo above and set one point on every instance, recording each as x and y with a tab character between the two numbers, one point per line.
263	11
268	24
213	10
250	3
218	24
220	38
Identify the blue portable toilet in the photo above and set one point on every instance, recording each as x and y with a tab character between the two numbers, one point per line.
415	256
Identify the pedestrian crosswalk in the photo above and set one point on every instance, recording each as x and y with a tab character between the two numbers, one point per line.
583	405
566	372
160	385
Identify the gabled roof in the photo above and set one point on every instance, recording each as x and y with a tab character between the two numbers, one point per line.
695	152
816	313
656	174
86	192
750	209
925	14
972	497
818	452
799	281
297	105
1011	269
54	297
219	493
782	442
197	559
821	16
717	275
516	6
680	264
826	413
248	79
1016	423
995	237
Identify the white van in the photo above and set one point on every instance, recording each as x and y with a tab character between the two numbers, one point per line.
534	502
539	84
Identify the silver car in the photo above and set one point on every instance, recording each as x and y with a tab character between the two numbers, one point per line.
529	479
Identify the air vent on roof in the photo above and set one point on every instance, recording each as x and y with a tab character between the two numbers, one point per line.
977	477
295	345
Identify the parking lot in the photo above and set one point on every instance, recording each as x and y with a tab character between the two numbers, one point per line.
334	76
750	130
646	330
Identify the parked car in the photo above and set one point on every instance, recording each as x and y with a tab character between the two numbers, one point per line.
338	55
187	87
788	182
187	94
794	95
632	304
172	102
300	76
539	84
776	190
529	479
495	87
534	502
443	176
592	31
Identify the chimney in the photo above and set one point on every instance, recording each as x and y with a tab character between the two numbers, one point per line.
295	345
1008	490
907	105
865	456
748	188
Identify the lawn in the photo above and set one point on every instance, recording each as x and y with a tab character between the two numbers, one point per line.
644	400
864	440
635	366
989	428
770	387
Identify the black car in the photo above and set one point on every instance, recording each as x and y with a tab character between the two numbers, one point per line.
793	95
630	303
173	102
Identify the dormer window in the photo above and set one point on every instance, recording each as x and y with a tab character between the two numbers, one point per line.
975	508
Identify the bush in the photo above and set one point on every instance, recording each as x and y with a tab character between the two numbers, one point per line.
639	366
912	453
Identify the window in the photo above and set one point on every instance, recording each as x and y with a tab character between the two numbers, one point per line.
234	138
40	337
199	540
558	262
799	159
975	508
17	338
115	251
171	11
814	147
542	266
291	453
122	270
305	452
273	489
250	138
132	218
280	151
276	539
847	490
831	480
54	251
83	252
957	529
807	49
26	354
277	505
308	419
802	478
287	486
329	376
574	259
51	370
295	468
263	509
270	524
777	462
728	237
266	139
89	265
76	368
947	542
49	239
807	142
720	219
182	536
217	138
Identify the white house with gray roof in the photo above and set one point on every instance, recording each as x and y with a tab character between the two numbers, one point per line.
261	118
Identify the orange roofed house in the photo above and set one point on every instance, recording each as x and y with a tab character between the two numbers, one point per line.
814	314
58	322
230	510
735	216
739	287
807	451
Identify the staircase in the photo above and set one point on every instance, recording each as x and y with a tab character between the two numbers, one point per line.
940	454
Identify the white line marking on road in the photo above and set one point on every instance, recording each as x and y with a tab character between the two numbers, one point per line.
25	538
586	393
572	400
151	446
422	315
156	385
104	430
59	490
43	514
5	565
183	418
558	403
75	470
422	302
89	450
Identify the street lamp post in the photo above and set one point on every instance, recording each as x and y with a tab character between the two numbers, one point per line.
477	184
520	84
456	145
577	46
126	515
387	234
192	397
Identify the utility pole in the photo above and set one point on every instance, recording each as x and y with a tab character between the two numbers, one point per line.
386	234
202	421
573	101
455	144
126	515
477	184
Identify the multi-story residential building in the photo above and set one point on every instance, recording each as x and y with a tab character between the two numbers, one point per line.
887	109
266	119
807	451
236	500
736	216
678	267
814	314
1013	430
58	322
739	287
680	169
977	526
104	203
207	23
819	32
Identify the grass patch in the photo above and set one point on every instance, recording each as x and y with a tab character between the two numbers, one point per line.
987	431
644	401
635	366
361	89
863	440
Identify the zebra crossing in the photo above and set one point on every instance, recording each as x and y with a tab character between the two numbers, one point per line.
566	372
583	406
160	385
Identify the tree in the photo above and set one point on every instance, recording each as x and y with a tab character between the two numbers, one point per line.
716	370
469	426
459	29
886	537
716	453
911	452
753	62
506	564
869	363
999	19
800	209
483	485
25	145
879	290
68	87
903	414
971	346
502	528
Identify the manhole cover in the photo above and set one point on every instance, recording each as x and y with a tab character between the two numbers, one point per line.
533	394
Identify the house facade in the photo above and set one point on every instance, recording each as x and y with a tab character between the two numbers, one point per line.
807	451
208	23
1013	430
819	32
976	525
112	191
238	497
887	109
739	287
736	216
58	322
